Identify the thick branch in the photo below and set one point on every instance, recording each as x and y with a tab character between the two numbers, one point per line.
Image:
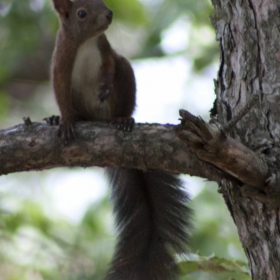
212	145
36	147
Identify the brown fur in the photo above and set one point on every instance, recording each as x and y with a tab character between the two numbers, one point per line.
92	82
115	83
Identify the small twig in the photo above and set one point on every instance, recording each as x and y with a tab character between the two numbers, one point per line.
27	121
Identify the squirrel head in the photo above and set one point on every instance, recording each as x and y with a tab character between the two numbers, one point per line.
83	19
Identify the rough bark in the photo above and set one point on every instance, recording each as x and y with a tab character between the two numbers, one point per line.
35	146
211	144
249	37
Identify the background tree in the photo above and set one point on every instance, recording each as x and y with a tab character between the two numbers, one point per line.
63	249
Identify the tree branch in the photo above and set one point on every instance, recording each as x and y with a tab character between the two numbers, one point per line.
35	146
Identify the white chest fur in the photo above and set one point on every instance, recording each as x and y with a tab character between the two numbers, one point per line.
85	73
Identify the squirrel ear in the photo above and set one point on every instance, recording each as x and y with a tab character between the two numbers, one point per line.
62	7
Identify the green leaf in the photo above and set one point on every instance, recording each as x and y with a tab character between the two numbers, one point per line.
129	11
213	264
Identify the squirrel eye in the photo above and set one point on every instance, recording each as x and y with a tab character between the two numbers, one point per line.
82	14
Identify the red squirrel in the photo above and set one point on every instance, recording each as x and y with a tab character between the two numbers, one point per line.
92	82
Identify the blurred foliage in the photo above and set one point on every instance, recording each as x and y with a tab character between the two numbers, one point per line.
196	262
27	34
215	238
128	12
36	243
165	13
25	26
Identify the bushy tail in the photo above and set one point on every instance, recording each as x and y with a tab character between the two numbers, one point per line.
153	222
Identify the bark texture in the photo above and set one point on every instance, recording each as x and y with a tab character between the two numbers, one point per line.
249	37
35	146
211	144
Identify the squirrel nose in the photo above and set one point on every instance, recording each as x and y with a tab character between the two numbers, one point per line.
109	15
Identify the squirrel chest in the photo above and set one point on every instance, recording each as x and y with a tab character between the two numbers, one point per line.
85	82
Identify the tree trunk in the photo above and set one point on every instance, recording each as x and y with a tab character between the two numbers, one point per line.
249	37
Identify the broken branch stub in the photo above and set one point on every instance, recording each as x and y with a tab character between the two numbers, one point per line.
212	145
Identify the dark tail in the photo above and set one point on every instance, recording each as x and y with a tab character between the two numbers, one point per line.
153	222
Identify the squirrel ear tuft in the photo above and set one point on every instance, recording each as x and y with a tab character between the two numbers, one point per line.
62	7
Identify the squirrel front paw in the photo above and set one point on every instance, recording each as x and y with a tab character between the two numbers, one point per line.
65	129
52	120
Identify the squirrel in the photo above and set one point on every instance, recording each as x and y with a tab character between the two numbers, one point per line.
92	82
